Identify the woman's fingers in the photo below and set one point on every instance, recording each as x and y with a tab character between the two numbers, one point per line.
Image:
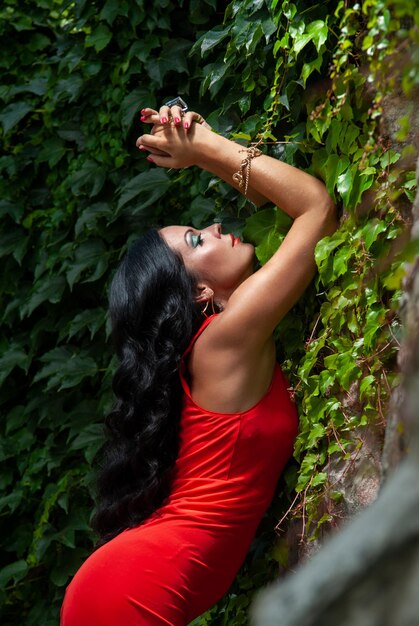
192	116
200	120
172	116
188	118
151	144
164	115
178	142
153	150
150	116
161	161
149	141
177	115
147	115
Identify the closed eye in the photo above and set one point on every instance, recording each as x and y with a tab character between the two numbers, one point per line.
196	240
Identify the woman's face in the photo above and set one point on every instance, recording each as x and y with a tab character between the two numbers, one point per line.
222	262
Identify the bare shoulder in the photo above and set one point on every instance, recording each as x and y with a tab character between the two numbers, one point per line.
228	375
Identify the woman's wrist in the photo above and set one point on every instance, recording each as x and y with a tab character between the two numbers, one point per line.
215	151
223	158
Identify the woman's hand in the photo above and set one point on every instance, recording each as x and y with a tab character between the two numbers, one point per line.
172	115
174	140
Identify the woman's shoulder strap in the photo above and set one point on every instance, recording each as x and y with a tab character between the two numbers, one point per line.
203	326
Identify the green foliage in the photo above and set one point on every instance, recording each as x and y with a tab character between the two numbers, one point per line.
74	78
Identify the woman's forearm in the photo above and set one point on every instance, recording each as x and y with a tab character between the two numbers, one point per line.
289	188
221	170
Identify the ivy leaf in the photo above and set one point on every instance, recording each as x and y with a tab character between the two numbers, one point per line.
319	479
344	184
99	38
132	103
13	113
361	183
142	49
253	38
393	280
38	86
366	383
68	88
112	9
317	432
267	230
90	439
300	41
150	185
308	68
269	246
72	135
52	151
268	27
14	242
16	418
68	561
372	327
316	32
92	319
348	369
13	572
340	262
332	167
326	245
335	130
259	225
374	229
37	42
200	211
171	59
90	177
65	368
210	39
14	356
15	211
216	74
89	256
90	216
47	289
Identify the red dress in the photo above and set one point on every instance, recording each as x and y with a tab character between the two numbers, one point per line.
183	559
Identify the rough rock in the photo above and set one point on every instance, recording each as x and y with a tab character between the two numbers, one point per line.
367	575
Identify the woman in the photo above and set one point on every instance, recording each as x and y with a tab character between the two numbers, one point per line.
203	423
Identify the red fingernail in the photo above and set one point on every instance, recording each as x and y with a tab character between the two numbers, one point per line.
163	120
143	118
142	110
150	159
186	125
177	120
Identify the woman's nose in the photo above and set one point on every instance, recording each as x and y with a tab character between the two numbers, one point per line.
214	229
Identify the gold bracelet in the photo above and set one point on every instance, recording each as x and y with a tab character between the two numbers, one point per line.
240	177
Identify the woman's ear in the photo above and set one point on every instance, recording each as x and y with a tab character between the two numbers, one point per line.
205	293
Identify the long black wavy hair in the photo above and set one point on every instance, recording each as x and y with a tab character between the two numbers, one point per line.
154	316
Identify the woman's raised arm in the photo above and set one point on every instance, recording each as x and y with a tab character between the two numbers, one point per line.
260	302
